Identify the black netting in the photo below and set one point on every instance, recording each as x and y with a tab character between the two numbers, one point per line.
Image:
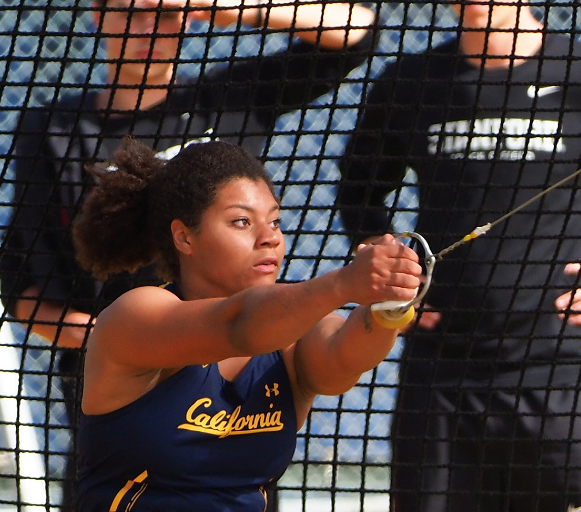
488	399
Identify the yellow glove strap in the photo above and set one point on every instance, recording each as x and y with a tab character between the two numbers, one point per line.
388	320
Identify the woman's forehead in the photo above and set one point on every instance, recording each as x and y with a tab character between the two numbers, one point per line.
246	194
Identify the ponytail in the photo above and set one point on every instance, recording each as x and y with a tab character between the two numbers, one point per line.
112	232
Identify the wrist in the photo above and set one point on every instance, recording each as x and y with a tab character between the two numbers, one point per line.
340	285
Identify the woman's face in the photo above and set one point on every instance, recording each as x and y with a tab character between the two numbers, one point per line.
138	32
488	14
239	243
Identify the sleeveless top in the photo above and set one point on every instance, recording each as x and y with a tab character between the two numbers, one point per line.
195	442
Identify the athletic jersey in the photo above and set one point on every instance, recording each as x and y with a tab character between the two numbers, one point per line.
195	442
482	141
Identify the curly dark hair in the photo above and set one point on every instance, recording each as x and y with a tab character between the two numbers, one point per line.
125	222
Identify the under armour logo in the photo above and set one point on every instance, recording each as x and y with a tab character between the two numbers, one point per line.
273	390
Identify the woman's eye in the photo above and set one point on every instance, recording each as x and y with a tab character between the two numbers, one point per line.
241	223
276	223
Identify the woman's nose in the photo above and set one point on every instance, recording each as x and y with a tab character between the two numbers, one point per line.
269	236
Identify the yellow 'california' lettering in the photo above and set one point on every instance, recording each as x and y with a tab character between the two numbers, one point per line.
252	421
223	424
202	420
241	423
206	402
216	420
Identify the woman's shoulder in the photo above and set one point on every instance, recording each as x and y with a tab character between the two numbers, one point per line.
139	305
142	295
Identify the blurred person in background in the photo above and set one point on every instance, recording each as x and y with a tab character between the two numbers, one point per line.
487	415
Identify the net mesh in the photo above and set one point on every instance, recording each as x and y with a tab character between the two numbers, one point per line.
343	460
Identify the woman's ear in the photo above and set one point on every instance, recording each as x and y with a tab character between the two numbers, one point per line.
181	236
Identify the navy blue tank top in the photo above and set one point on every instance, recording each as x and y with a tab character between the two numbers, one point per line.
196	442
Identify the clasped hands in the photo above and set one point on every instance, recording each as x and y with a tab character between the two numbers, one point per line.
568	305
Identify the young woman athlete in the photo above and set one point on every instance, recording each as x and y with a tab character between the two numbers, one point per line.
194	392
